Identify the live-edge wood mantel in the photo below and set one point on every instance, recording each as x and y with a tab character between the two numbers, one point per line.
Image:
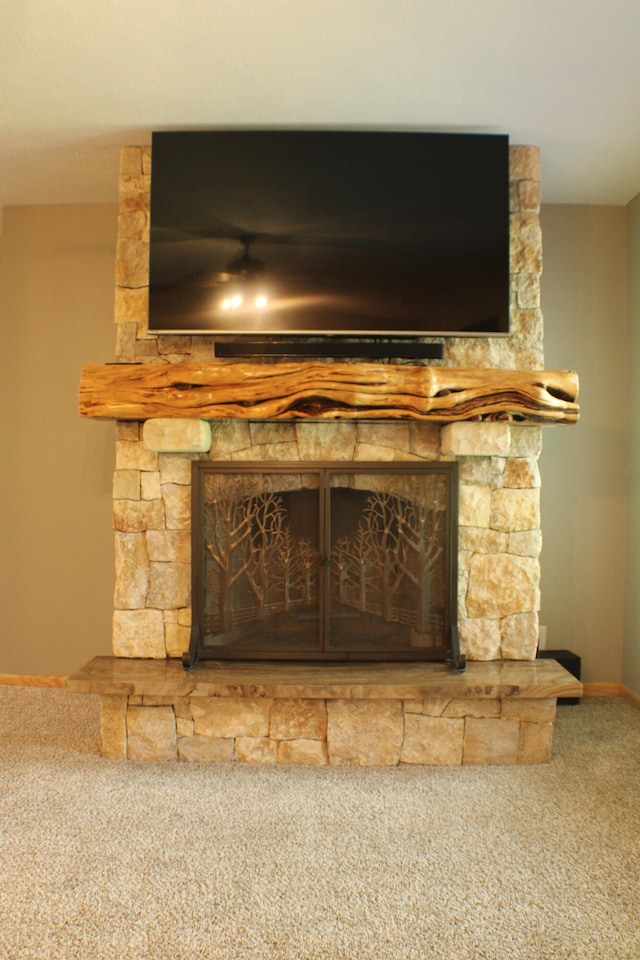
326	391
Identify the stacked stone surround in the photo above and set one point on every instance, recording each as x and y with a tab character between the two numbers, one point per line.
385	732
499	529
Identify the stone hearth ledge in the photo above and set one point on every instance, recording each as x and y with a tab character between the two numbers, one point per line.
498	712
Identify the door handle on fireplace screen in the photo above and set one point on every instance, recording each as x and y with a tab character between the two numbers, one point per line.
325	561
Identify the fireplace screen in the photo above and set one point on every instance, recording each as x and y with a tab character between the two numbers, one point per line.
324	561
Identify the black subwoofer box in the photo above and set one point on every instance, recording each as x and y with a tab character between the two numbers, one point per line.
571	662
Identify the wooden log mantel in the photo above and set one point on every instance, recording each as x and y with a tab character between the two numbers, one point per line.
326	391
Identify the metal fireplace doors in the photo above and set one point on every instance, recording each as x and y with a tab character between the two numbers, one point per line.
324	561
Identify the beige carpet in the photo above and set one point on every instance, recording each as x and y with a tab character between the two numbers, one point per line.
129	861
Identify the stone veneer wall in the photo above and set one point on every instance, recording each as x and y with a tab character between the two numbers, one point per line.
500	538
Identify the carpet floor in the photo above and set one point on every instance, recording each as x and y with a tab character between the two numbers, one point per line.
141	861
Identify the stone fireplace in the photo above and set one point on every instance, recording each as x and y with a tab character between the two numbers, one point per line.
502	709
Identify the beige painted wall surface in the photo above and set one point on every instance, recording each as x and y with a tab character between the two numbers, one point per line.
56	544
631	666
584	468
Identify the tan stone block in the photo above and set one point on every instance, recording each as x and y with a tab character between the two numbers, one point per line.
394	435
171	545
268	451
533	711
132	263
145	153
471	438
520	635
256	750
515	509
297	719
177	506
514	196
424	440
521	472
526	440
138	633
472	707
527	328
182	708
536	741
126	341
127	430
203	349
113	727
480	638
184	728
368	451
126	485
268	433
133	225
177	435
231	717
169	585
435	706
491	741
529	195
131	305
134	192
174	345
151	733
150	485
432	740
147	349
502	585
525	543
412	706
484	352
482	540
132	455
474	506
132	571
481	471
177	637
524	162
199	749
310	752
130	161
528	291
364	732
227	436
526	243
134	516
174	468
326	440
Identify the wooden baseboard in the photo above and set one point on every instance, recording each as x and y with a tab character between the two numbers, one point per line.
602	690
630	696
611	690
31	680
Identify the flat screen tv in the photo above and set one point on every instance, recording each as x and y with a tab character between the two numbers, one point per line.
300	232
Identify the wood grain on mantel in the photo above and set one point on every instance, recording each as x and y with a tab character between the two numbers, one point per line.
325	391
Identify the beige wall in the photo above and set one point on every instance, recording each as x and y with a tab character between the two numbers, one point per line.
56	574
631	666
584	468
56	560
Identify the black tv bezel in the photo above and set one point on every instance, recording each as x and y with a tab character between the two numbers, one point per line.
345	342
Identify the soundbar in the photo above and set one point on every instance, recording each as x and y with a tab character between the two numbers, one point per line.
331	348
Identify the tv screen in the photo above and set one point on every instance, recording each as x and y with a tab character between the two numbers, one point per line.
295	232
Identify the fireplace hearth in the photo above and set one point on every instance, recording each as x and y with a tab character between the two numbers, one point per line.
324	561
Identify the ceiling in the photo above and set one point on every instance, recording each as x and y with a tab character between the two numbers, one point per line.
81	78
